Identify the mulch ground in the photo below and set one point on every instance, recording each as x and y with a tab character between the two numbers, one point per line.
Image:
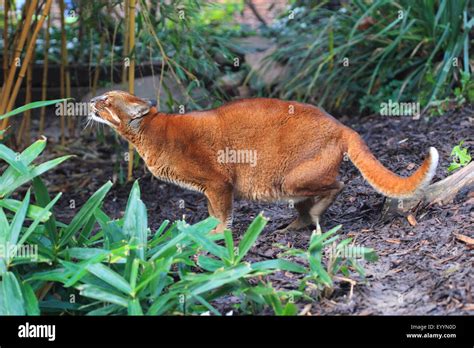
422	269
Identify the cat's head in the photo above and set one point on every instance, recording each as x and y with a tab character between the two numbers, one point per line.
120	110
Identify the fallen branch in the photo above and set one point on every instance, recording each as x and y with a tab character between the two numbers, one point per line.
441	192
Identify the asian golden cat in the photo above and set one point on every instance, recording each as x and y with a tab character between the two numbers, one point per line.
296	148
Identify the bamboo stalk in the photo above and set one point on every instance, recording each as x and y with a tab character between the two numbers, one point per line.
66	75
70	119
14	20
29	97
112	56
8	83
125	43
95	81
28	56
6	7
62	70
23	132
44	84
131	77
80	35
91	56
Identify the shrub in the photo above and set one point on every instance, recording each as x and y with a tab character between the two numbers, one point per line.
374	50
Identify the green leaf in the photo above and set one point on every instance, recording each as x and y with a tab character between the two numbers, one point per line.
290	309
33	151
56	275
34	224
316	241
106	310
4	228
18	220
134	274
209	264
196	233
279	264
33	210
250	236
31	302
84	214
317	268
26	157
11	298
135	221
220	278
358	267
33	105
43	199
168	246
370	255
161	229
85	236
54	305
7	187
12	159
85	253
101	294
80	270
134	307
162	303
161	270
110	277
229	243
206	304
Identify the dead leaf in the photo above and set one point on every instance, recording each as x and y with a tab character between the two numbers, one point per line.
465	239
393	240
410	166
366	23
411	220
306	310
345	279
469	307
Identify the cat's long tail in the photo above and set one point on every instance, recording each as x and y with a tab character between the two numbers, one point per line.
382	179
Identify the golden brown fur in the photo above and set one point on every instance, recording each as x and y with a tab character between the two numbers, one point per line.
298	150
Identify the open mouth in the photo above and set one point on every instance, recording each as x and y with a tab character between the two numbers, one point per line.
94	115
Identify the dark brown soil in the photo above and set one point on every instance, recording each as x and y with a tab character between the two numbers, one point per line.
423	269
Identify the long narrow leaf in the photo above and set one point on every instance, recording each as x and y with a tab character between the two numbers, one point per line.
82	217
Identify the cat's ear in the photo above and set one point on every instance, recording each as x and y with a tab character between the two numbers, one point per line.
152	102
138	110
